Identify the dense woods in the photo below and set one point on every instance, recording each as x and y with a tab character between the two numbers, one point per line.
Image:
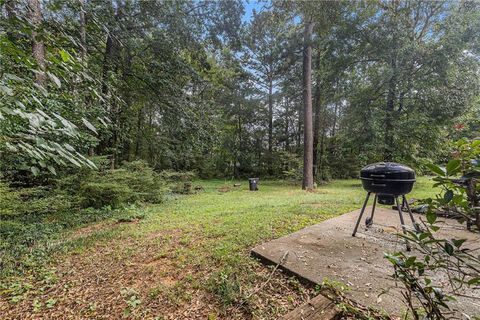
212	88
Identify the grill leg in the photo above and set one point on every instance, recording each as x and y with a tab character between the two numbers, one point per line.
361	214
369	221
402	222
415	224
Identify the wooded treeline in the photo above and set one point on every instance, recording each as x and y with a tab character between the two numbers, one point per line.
201	86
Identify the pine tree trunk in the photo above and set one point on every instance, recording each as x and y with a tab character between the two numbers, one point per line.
307	103
107	55
270	126
83	32
317	120
389	113
38	47
287	140
138	143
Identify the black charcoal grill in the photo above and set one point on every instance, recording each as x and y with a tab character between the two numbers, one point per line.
387	181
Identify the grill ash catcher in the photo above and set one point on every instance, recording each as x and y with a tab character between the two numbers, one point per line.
387	181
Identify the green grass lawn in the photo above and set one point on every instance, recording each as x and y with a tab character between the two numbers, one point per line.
188	256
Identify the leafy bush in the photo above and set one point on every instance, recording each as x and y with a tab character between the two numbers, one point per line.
425	298
32	201
134	182
102	194
176	176
178	182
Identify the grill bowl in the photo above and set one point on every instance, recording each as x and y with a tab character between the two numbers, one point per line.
387	178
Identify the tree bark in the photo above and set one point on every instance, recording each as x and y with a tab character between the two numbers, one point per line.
138	143
83	32
38	47
270	125
307	103
389	113
287	140
107	56
317	120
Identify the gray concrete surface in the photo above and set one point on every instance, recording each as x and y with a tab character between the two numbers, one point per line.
328	251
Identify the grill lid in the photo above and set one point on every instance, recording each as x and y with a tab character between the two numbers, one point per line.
387	171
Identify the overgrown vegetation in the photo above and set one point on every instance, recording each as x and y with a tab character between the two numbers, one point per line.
32	217
456	258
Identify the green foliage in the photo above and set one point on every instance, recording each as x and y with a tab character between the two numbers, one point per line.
136	181
102	194
226	286
43	125
33	217
459	197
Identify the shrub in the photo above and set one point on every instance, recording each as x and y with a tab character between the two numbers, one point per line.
135	181
177	176
424	297
32	201
102	194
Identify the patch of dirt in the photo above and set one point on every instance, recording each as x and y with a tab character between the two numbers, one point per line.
90	229
224	189
144	278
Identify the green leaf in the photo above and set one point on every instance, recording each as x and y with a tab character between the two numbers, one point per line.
431	217
13	77
436	169
458	242
54	79
6	90
453	167
52	170
410	261
449	248
448	196
65	56
89	125
34	170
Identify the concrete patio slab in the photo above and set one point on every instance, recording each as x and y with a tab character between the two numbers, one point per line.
328	251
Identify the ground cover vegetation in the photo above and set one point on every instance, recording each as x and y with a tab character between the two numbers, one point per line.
110	111
187	257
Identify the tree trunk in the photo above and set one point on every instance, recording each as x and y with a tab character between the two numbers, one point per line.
317	120
307	103
270	125
287	140
107	56
299	128
83	32
335	116
138	143
389	113
321	155
38	47
10	10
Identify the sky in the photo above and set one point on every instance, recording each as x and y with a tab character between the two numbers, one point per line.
250	5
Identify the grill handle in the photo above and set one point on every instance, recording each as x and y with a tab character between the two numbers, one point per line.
379	185
377	175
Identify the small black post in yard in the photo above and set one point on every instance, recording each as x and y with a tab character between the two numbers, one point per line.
253	184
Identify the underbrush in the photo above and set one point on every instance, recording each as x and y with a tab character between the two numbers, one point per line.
33	219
